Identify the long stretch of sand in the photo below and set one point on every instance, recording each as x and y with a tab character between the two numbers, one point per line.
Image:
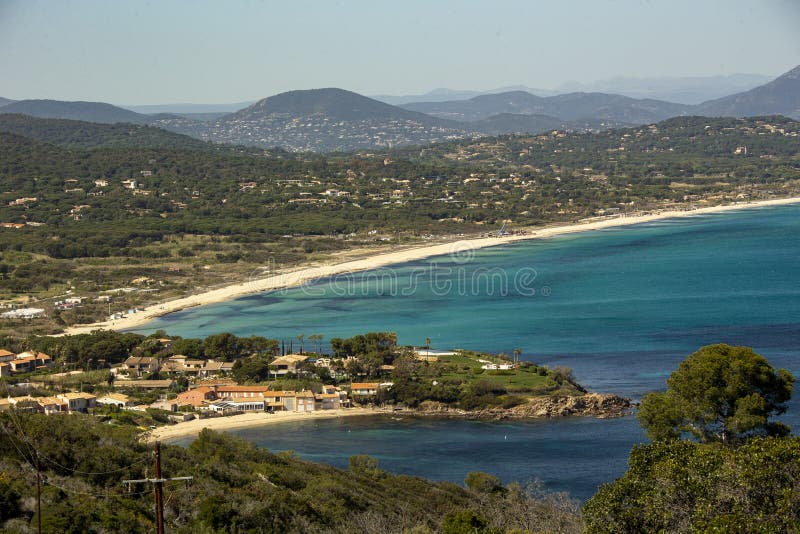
249	420
383	259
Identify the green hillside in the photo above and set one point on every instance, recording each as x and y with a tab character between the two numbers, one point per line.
90	135
236	488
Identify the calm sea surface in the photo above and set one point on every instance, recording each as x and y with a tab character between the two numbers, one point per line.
622	307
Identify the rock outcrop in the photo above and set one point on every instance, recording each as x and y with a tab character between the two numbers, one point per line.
589	405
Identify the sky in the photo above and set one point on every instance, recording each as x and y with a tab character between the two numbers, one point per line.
203	51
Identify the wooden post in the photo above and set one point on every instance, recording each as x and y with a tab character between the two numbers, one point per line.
38	495
158	488
159	485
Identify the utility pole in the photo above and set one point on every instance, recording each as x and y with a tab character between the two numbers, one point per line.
159	491
38	495
158	483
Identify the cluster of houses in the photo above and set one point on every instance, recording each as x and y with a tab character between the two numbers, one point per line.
177	365
61	403
180	365
23	313
24	362
223	397
210	392
229	398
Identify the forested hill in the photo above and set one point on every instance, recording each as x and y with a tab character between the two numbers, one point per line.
336	104
567	107
79	134
93	220
675	147
86	111
780	96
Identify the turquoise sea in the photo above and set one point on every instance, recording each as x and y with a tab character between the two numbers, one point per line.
620	306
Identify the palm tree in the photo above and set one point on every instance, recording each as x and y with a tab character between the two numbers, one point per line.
517	352
428	345
300	339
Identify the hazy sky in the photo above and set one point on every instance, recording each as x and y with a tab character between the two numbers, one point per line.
168	51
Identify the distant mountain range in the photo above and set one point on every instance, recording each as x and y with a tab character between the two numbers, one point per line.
778	97
5	101
572	106
687	90
333	119
444	95
681	90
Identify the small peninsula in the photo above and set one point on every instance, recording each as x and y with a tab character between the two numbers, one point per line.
171	387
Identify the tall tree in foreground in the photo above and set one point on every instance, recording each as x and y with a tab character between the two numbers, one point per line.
731	478
719	393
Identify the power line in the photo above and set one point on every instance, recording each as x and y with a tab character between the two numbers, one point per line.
36	453
106	494
14	418
158	488
77	471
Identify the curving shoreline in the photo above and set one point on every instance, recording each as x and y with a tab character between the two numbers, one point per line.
414	253
249	420
598	405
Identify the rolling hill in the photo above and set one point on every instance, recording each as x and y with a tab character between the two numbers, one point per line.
5	101
81	111
781	96
572	106
89	135
331	119
336	104
689	90
505	123
321	120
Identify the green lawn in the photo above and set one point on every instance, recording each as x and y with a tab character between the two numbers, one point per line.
466	367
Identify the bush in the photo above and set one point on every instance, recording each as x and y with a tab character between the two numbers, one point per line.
363	463
483	482
466	522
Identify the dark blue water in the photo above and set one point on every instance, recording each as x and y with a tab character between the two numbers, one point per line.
622	307
574	454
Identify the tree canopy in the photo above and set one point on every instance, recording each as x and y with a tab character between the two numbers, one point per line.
683	486
719	393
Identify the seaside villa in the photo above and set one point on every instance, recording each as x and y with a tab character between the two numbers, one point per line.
364	389
229	399
285	365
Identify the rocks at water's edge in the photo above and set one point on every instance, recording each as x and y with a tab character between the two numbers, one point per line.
591	404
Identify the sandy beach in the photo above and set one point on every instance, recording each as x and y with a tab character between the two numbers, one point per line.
248	420
399	256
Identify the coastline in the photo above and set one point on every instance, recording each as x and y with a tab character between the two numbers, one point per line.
414	253
599	405
249	420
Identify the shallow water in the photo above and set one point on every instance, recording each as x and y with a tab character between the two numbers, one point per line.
621	306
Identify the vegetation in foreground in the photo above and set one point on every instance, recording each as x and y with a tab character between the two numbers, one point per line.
718	462
239	488
738	474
